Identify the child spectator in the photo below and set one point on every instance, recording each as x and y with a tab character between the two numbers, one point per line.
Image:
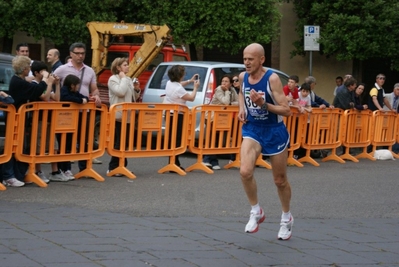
291	90
70	93
39	70
304	99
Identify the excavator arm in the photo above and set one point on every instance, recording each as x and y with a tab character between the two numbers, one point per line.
154	39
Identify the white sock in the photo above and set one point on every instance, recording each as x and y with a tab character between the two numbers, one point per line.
286	216
256	208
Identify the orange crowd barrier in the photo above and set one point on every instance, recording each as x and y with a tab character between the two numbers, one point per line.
147	130
296	127
7	137
396	155
322	133
219	132
383	133
356	133
71	121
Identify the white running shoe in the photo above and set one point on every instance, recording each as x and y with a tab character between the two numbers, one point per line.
69	174
285	229
43	177
97	161
254	221
58	177
216	167
207	164
13	182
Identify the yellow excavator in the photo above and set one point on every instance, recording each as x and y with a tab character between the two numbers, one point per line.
102	33
108	42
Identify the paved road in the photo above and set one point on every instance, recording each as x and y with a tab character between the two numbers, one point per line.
345	215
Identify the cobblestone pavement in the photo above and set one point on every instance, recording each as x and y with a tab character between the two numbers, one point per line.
345	215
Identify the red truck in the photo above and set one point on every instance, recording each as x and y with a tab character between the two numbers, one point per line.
108	43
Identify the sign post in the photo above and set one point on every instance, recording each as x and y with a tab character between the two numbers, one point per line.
311	43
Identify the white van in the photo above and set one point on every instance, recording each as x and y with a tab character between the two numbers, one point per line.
210	73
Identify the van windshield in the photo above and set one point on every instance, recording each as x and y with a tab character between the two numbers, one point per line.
160	78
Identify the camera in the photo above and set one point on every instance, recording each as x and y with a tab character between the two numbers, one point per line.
197	77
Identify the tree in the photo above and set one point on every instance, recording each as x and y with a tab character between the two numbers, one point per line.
228	25
62	21
351	29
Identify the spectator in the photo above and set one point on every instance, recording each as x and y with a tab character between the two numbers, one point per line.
53	57
305	103
342	86
225	94
70	93
344	98
357	94
236	84
393	98
376	95
291	90
176	94
6	98
121	90
39	70
22	49
317	102
88	85
68	59
304	100
21	91
338	81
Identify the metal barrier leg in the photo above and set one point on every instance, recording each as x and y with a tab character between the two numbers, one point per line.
172	167
333	156
122	170
31	176
260	162
235	164
89	172
199	165
307	158
396	156
292	161
365	155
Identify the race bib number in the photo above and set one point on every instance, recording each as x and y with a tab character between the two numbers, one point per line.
253	109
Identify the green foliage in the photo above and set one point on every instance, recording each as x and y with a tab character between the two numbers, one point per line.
229	25
351	29
62	21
